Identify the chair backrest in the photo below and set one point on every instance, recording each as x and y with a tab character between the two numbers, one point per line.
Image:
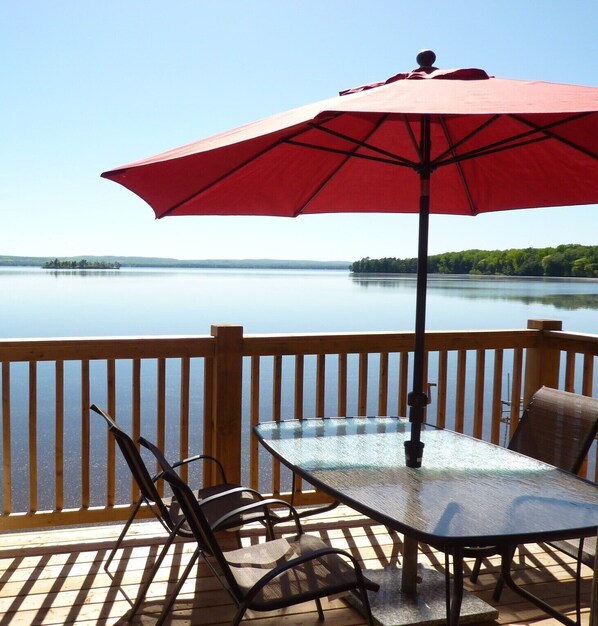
201	529
557	427
137	466
162	461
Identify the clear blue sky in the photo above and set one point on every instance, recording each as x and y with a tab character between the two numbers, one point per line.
88	85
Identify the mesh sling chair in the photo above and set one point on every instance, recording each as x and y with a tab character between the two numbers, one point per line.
271	575
557	427
218	499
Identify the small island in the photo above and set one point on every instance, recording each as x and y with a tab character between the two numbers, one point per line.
82	264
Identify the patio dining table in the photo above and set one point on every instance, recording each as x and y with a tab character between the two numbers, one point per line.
468	493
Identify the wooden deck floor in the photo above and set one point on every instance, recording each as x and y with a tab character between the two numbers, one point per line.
56	577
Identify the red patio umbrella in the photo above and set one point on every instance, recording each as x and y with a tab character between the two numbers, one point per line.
426	141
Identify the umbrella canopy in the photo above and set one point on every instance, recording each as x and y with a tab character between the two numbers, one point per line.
426	141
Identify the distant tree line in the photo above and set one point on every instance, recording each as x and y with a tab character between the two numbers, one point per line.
82	264
569	260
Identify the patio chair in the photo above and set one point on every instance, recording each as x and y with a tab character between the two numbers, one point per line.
218	499
557	427
272	575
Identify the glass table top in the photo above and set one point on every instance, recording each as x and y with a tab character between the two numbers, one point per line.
467	492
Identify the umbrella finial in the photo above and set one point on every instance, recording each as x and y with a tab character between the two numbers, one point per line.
426	58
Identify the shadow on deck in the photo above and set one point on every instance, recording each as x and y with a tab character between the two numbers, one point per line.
57	577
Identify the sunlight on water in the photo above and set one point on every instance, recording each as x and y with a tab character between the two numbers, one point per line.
45	303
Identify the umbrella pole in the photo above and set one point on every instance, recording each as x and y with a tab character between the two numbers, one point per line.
418	399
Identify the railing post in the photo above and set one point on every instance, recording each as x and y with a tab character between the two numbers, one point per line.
541	363
227	399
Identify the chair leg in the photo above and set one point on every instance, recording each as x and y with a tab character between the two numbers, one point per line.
365	601
122	534
177	589
239	615
319	608
150	577
578	583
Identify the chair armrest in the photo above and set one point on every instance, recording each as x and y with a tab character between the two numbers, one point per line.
264	504
203	457
166	465
233	489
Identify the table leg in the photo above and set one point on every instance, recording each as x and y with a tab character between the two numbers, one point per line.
409	577
456	599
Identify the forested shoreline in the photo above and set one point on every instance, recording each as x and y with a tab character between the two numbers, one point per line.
568	260
168	263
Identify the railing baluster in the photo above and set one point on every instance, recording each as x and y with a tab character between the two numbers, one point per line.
362	400
59	434
32	465
299	386
342	384
570	372
516	390
480	379
276	415
383	385
403	384
160	413
110	442
460	396
6	439
320	385
254	416
210	475
441	389
497	397
135	414
588	375
277	388
298	413
184	415
85	435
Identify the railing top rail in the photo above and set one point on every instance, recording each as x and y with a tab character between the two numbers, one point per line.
582	342
48	349
352	343
76	348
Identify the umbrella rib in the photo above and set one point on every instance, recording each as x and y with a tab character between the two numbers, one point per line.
359	143
415	143
230	172
472	205
349	153
546	130
490	149
338	168
534	135
453	147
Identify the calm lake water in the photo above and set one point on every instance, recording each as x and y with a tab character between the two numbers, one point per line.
46	303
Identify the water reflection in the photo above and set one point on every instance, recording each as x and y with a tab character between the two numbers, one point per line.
565	294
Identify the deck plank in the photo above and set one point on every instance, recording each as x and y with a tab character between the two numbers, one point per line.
56	577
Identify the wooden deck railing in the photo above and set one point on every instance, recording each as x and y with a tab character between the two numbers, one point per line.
205	393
